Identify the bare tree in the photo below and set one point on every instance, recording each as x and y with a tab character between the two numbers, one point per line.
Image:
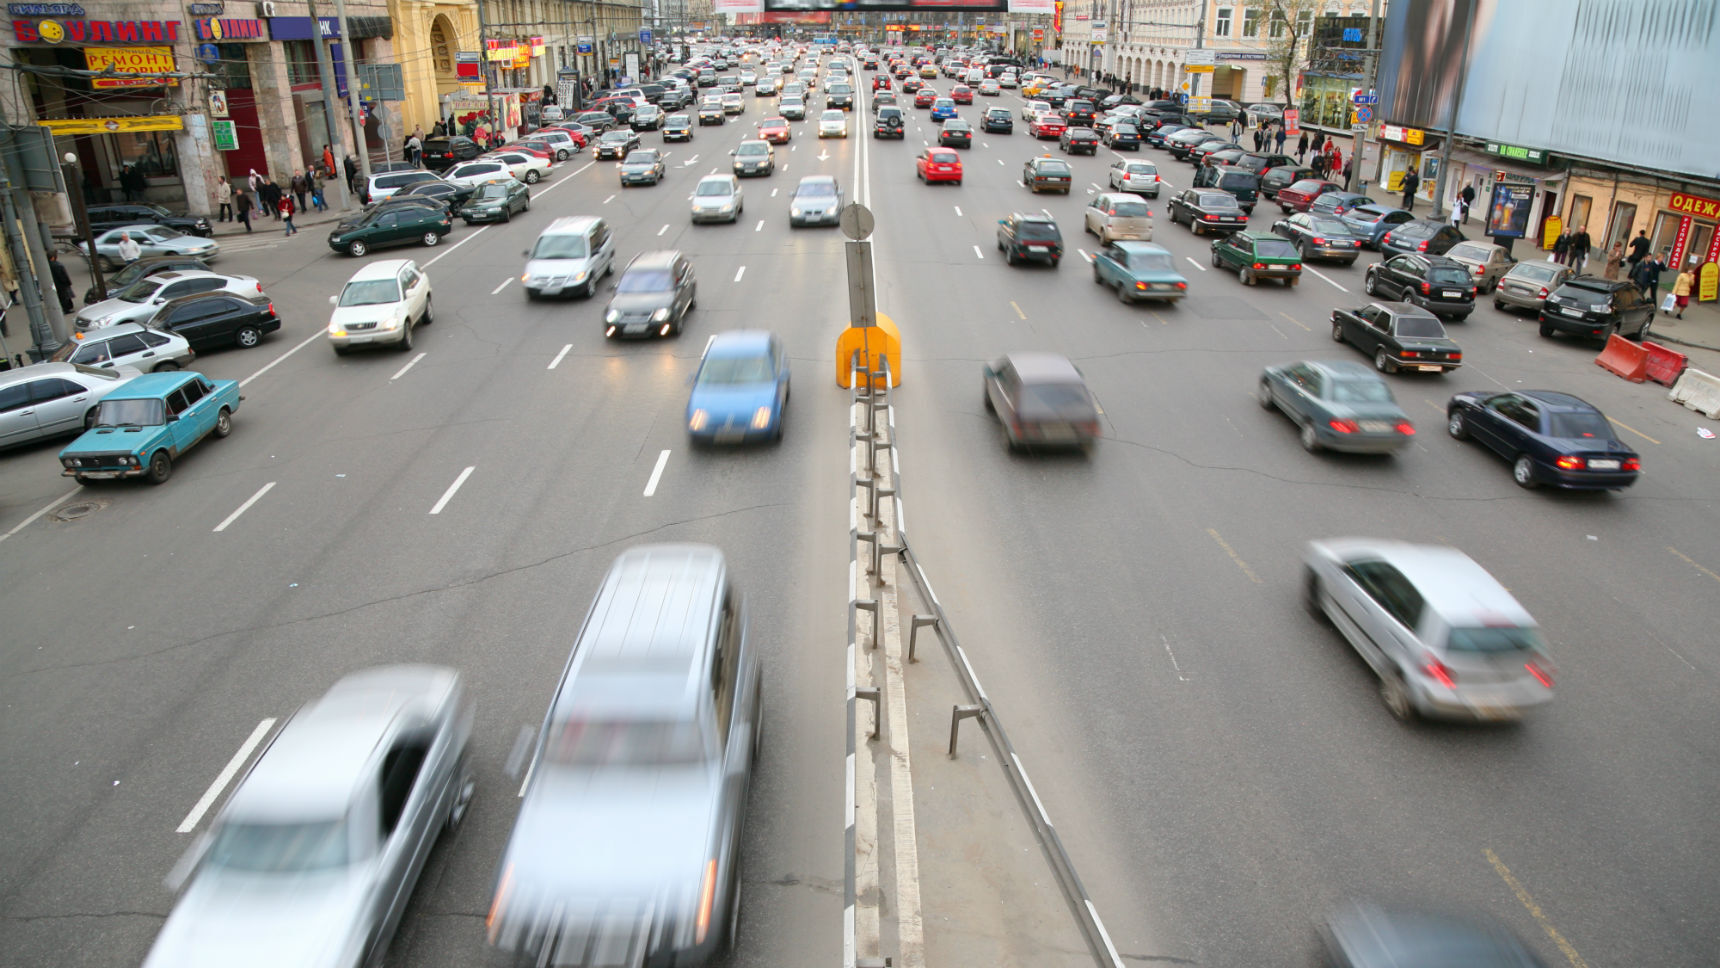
1287	25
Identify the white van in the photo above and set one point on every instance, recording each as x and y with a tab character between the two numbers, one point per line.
570	256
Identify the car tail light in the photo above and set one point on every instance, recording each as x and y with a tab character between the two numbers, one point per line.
1406	428
1631	464
1260	265
1479	270
1543	292
447	154
1422	247
1319	241
1454	356
1439	672
1343	426
1140	285
1182	285
259	287
271	309
1569	462
1410	354
1542	674
1426	288
1296	266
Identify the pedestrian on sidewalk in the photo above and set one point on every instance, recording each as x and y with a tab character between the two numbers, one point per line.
1319	142
301	187
1259	140
415	150
1468	196
1680	289
1411	181
1647	278
328	160
62	281
1615	261
224	195
1562	249
1459	211
242	203
272	195
129	250
1236	130
1279	138
317	199
1319	164
131	179
1639	247
1302	148
285	209
1580	249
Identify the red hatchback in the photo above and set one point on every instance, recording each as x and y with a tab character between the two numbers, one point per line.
938	164
924	97
774	130
1299	195
1048	125
961	94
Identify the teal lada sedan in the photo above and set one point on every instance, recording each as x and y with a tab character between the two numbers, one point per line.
141	428
1139	271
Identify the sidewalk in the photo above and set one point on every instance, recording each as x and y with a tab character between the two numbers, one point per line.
269	225
1700	326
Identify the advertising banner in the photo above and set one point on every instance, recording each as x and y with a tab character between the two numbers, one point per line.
738	6
1508	215
1032	6
145	62
226	135
158	122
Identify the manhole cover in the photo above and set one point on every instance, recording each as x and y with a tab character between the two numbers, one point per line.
72	512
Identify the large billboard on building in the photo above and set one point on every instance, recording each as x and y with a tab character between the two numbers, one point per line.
864	6
1627	81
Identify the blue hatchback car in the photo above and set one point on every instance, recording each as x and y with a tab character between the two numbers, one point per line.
141	428
741	389
943	109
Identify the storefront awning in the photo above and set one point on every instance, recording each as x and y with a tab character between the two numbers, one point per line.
1480	159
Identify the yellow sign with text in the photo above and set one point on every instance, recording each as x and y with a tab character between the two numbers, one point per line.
159	122
148	63
1708	282
1199	68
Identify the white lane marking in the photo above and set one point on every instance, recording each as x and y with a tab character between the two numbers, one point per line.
1000	161
978	254
308	340
1046	212
757	228
451	248
225	776
241	509
656	474
742	270
448	495
662	230
607	200
558	357
713	171
1191	262
985	144
958	211
1084	255
566	177
1322	275
56	502
409	365
504	285
773	193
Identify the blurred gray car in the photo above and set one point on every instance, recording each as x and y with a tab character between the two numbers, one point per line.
1444	636
49	399
1371	222
153	240
627	846
1487	263
1528	284
1337	405
127	344
313	858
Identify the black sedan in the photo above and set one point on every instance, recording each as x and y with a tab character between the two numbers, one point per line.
955	133
1399	336
1123	137
1156	135
1434	283
998	121
1549	437
449	194
105	217
616	144
1079	141
1203	210
213	319
1337	405
1317	237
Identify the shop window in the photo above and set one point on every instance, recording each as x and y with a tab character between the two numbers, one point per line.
233	68
1624	215
1696	249
1221	26
1581	205
1665	234
151	151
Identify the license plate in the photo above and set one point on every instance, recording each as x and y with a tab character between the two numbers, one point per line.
635	328
1375	426
552	290
1451	294
1603	465
1571	312
1491	711
1428	369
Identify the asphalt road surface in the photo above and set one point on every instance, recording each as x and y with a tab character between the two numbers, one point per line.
1219	765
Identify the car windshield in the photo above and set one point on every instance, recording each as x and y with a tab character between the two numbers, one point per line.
1053	168
1329	226
1422	326
280	848
1361	391
625	743
816	190
1151	261
1591	426
732	370
752	149
141	290
712	189
645	280
1274	249
1448	276
617	137
559	247
1141	169
641	158
1129	209
1509	638
833	115
1037	230
127	276
370	292
129	413
1468	250
493	191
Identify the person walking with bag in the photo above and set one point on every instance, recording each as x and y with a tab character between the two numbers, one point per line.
317	200
1302	148
1615	261
1580	249
285	209
1468	196
1680	289
224	195
1647	278
242	203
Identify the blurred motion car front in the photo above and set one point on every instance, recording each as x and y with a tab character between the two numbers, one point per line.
740	390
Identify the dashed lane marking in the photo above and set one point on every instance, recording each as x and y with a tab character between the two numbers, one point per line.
656	474
740	272
225	776
409	365
1528	901
241	509
560	356
1017	309
1233	555
504	285
1194	263
1634	431
453	489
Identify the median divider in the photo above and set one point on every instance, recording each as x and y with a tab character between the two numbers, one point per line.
1624	358
1697	390
1665	365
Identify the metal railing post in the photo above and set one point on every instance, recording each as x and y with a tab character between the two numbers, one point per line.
914	625
957	714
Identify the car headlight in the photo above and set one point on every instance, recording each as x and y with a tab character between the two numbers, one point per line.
388	322
579	276
611	316
761	418
660	316
796	212
698	420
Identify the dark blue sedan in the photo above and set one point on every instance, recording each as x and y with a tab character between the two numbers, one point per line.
1549	437
740	390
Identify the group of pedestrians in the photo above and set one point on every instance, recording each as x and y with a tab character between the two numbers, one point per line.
259	196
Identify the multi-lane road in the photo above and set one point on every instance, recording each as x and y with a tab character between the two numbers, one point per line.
1218	764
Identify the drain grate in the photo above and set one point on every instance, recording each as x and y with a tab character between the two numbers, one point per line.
72	512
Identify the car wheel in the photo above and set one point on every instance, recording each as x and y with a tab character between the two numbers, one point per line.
165	366
1546	330
342	350
1498	303
1216	263
1368	285
1263	394
1608	333
429	312
1310	439
160	468
532	177
405	344
223	422
1248	277
507	215
247	337
466	784
590	287
1382	362
357	249
1337	332
1097	280
1642	333
431	238
1395	694
1523	471
1456	426
1123	294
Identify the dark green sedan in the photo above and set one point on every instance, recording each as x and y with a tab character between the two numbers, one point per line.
1256	256
391	226
497	201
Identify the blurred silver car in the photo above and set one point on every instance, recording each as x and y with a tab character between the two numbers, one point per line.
153	240
718	198
1528	284
1487	263
1445	637
314	856
140	300
627	846
127	344
49	399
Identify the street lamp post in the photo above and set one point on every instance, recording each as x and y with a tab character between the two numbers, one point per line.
74	177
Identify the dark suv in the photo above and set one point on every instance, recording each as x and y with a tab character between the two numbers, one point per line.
1434	283
1021	237
1596	307
1240	182
105	217
441	154
1079	112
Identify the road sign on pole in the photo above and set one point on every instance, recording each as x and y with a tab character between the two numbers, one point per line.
1364	114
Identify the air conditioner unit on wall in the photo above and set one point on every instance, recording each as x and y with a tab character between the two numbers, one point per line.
266	9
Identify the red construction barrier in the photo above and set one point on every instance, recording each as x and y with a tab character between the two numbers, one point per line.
1624	358
1664	365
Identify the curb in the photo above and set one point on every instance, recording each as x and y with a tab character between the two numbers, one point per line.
1663	338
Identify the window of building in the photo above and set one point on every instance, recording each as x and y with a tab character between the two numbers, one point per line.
1305	23
1580	207
151	151
301	57
1251	22
1624	215
233	67
1665	234
1221	26
1278	24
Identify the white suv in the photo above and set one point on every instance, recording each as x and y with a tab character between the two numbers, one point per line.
380	305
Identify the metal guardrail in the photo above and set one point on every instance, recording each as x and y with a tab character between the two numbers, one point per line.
980	706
